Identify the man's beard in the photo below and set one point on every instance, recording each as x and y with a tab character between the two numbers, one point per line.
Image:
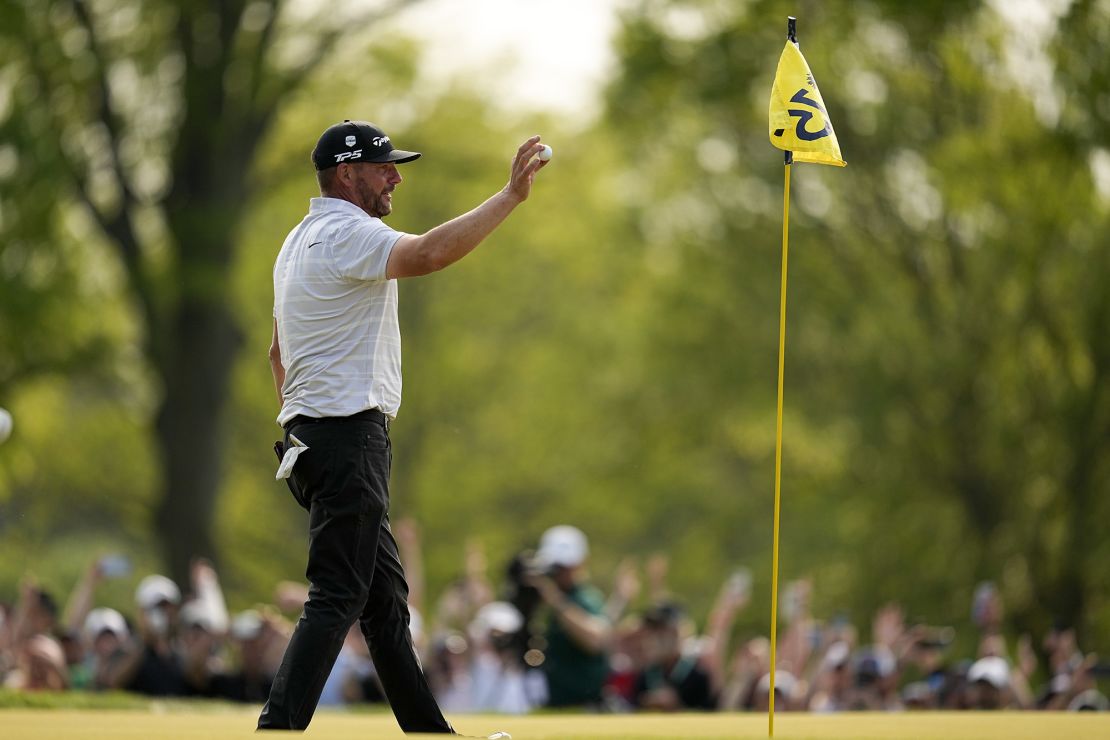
377	206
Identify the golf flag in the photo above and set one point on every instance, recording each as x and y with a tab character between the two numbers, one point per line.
798	121
799	125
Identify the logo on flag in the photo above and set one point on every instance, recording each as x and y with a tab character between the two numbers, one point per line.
798	120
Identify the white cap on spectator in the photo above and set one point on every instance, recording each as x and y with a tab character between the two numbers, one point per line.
784	683
105	619
246	625
837	655
918	691
1091	701
497	616
197	614
993	670
563	545
153	590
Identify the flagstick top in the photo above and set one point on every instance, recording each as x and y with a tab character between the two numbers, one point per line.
791	35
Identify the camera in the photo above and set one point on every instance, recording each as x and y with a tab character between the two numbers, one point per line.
936	637
528	601
519	592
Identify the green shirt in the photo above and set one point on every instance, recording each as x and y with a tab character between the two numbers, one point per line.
574	676
81	676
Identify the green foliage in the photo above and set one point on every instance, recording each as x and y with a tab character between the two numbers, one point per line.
608	357
946	389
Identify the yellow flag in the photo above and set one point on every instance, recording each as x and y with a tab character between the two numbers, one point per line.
798	121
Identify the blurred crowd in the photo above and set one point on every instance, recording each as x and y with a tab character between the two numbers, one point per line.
544	635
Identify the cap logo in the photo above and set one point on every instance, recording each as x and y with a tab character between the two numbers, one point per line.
380	140
349	141
343	156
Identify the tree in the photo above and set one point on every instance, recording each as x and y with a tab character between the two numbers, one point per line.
151	115
946	387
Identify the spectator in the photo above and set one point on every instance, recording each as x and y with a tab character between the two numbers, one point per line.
656	570
464	596
731	599
751	661
626	586
988	684
1069	686
673	678
652	660
200	638
258	642
41	666
919	695
351	666
578	634
924	651
449	671
151	663
832	682
626	660
993	645
626	650
1089	701
78	676
105	633
788	694
498	679
209	597
876	684
987	609
1063	653
36	613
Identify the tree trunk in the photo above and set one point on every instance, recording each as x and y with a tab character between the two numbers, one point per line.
190	430
200	343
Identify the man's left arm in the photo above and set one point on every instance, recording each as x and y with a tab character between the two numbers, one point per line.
275	364
590	632
414	255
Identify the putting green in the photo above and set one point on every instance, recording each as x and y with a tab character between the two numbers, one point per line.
176	722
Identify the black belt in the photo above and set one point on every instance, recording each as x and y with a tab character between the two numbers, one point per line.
374	415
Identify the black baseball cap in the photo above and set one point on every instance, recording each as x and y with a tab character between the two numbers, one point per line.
356	141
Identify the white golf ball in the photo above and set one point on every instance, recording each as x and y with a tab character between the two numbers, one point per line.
5	425
544	154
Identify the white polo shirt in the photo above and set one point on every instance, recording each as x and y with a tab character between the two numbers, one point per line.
337	314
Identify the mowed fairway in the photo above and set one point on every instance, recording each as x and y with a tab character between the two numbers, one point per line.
176	722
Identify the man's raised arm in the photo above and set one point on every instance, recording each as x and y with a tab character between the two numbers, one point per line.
415	255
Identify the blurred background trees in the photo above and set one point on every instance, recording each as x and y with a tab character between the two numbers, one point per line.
608	358
143	120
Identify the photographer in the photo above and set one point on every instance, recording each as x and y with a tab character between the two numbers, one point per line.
578	633
499	679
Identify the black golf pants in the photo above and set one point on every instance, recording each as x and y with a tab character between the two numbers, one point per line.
354	572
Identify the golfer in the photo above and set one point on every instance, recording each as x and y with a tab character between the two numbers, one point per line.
336	359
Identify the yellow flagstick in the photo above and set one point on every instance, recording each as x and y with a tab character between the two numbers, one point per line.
788	159
794	115
778	449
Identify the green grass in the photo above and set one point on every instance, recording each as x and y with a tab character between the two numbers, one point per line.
10	699
224	722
